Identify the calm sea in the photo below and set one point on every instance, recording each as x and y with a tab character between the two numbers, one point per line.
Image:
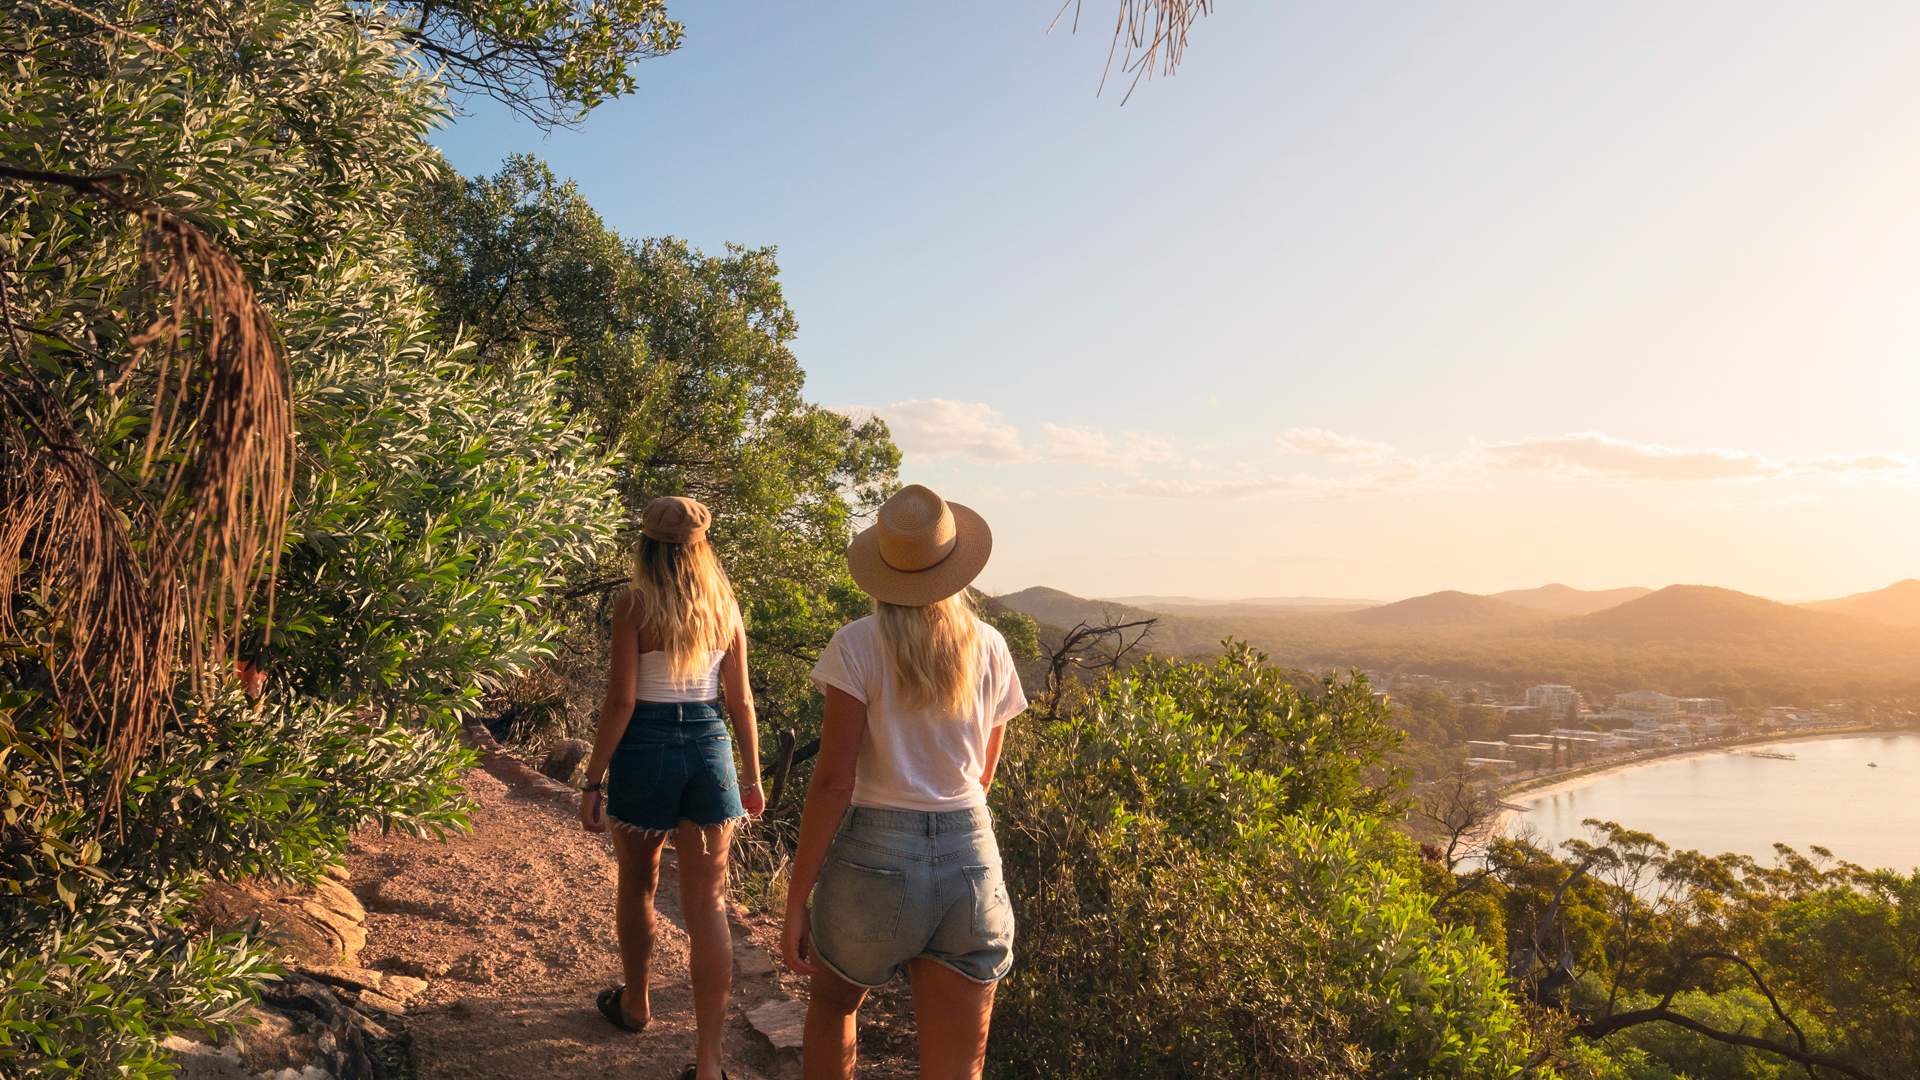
1857	795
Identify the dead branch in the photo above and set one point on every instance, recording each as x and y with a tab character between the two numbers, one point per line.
1797	1051
1094	647
1153	33
158	575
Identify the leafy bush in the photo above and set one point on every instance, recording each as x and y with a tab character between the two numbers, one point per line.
1206	887
435	508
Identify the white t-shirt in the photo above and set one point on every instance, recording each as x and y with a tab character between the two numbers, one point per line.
912	758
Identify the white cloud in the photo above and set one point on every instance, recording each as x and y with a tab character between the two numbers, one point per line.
1591	453
936	427
1075	444
1240	487
1319	442
978	432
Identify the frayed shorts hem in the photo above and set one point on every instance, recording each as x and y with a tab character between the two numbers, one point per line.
652	831
844	977
967	975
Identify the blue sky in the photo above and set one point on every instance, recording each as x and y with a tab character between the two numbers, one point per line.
1368	300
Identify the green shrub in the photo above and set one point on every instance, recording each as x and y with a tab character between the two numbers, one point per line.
1198	895
435	508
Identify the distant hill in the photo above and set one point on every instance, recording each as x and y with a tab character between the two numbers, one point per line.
1247	604
1703	614
1450	611
1896	605
1063	609
1174	634
1687	640
1566	600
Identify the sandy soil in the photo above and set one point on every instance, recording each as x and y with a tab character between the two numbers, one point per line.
513	925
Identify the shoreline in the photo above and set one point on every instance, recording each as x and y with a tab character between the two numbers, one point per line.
1572	778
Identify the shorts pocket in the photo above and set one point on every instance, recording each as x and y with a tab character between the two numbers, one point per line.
861	903
992	911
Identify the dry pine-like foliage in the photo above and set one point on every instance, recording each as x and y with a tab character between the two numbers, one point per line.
1154	33
120	583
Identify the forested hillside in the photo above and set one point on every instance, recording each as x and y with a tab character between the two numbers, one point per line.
1685	639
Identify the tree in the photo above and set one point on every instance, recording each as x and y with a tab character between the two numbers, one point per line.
683	365
548	60
428	511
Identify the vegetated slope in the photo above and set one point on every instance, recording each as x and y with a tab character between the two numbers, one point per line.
1172	634
1896	605
1450	610
1567	600
1253	605
1063	609
1686	639
1703	613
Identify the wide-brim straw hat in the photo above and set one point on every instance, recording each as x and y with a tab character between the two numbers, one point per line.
675	519
921	549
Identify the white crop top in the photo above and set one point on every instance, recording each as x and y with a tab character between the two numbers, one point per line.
658	684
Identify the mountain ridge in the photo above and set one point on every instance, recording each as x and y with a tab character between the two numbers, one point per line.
1896	605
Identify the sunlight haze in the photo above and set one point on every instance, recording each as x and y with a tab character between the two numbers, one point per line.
1365	301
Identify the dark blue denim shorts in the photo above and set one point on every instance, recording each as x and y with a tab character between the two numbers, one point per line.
674	764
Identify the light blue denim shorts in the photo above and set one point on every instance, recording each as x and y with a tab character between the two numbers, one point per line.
901	884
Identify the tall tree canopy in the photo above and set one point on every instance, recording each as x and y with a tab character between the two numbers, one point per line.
548	60
683	364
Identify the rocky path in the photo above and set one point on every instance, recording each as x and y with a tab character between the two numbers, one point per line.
512	928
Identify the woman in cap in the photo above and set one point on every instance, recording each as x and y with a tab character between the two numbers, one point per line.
662	763
918	696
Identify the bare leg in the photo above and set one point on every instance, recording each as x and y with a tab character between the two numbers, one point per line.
952	1013
702	858
633	917
828	1049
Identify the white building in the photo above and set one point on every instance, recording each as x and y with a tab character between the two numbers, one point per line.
1703	706
1559	700
1647	701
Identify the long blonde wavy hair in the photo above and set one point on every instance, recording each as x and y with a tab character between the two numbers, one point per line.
934	651
681	594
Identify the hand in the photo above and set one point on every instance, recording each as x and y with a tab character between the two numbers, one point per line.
753	799
796	942
591	819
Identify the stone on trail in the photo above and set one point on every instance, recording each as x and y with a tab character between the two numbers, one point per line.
336	897
352	936
403	988
783	1022
353	978
563	762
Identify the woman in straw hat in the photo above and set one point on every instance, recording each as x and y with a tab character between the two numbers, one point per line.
662	763
918	696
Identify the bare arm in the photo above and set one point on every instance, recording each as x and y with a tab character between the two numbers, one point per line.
746	728
993	756
623	688
828	797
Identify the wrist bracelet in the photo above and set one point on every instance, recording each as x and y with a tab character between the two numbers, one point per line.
592	786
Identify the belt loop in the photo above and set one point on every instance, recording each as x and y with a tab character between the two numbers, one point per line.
933	825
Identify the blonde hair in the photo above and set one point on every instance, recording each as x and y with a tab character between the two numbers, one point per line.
681	594
934	651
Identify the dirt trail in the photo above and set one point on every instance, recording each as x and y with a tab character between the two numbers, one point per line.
513	925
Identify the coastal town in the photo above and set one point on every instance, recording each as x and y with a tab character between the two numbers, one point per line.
1553	731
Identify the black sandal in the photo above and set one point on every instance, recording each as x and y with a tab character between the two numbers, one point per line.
693	1071
609	1003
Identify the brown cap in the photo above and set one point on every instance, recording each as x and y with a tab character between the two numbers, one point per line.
921	549
674	519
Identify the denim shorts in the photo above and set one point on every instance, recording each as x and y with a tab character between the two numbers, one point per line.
901	884
673	764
